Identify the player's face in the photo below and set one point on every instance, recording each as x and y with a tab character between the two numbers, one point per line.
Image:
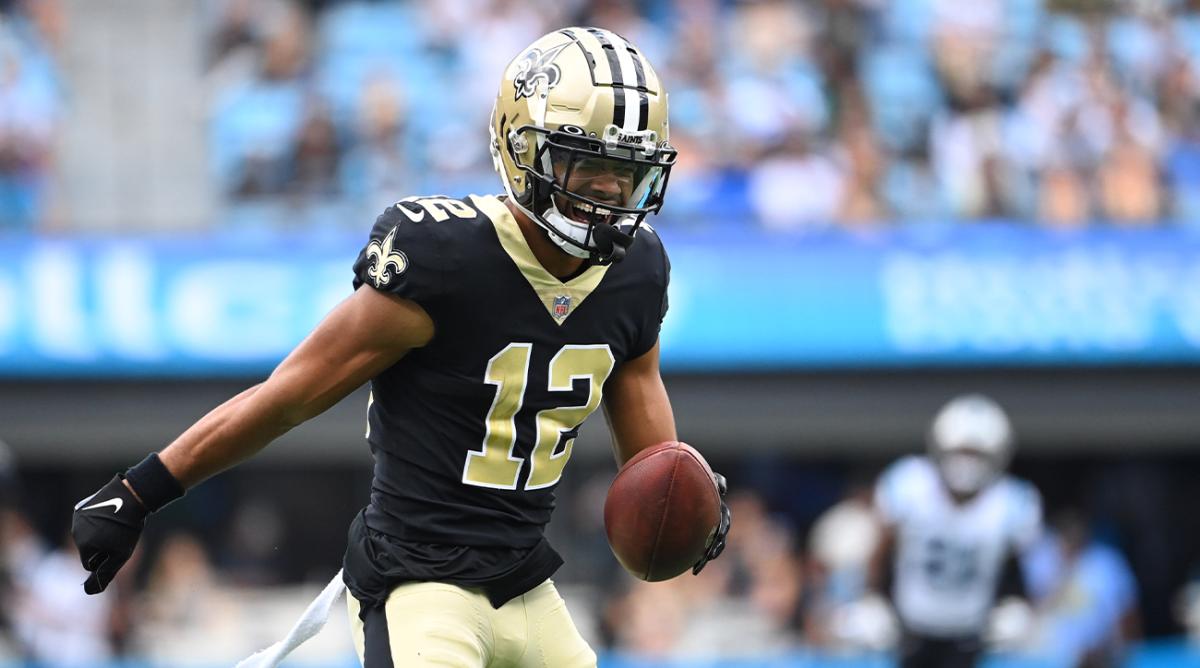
601	180
613	180
966	471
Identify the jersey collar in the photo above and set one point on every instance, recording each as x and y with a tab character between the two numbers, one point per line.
560	298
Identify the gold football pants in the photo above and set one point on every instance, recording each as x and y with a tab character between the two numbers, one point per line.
436	624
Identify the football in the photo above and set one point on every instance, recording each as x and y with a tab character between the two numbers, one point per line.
661	510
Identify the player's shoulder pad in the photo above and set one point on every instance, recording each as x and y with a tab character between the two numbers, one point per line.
1024	504
1022	495
907	469
648	237
411	244
900	484
433	215
649	254
434	219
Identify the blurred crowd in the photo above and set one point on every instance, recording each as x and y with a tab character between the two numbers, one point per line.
30	109
905	110
215	584
216	579
787	113
802	114
784	589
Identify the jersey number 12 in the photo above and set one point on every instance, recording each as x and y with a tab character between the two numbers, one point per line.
495	465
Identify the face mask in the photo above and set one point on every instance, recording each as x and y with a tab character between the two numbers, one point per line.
965	473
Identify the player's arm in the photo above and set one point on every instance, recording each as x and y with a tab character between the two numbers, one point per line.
1011	620
637	407
362	336
639	415
888	505
880	561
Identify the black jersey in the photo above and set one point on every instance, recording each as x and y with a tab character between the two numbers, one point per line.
470	433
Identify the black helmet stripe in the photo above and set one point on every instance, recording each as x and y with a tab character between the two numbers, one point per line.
587	55
634	80
626	112
643	99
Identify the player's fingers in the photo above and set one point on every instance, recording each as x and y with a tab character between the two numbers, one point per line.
96	583
101	574
722	485
85	557
94	561
105	571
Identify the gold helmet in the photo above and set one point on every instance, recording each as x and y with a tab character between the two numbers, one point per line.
582	106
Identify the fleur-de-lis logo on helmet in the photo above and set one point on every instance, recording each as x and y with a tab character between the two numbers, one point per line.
537	66
385	256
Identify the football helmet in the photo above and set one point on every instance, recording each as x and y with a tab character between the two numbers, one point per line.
579	136
971	441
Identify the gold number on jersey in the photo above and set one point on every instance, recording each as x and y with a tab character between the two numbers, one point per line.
494	465
440	208
591	362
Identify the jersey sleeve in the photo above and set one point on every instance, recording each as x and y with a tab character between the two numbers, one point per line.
403	258
653	325
1025	515
893	490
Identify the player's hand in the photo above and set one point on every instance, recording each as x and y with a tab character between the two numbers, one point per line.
1010	625
716	544
106	527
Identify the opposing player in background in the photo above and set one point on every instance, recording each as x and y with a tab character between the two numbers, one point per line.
490	328
955	527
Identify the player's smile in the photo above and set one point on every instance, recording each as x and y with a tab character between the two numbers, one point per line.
595	211
601	183
582	212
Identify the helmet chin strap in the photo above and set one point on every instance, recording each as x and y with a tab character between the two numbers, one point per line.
557	226
608	244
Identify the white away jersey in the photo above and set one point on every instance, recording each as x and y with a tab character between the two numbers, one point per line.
949	557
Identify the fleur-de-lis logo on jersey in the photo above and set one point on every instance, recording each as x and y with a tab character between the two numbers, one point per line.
385	256
537	66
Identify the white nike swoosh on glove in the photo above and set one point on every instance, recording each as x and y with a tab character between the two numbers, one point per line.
114	502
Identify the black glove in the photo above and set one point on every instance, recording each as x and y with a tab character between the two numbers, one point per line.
716	544
106	527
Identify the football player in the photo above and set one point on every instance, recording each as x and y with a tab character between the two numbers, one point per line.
955	525
489	329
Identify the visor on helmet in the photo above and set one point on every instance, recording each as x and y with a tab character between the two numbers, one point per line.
624	182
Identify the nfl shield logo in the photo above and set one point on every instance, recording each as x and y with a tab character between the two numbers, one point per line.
562	305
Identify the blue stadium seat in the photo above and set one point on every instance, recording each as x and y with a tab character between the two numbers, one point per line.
260	119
